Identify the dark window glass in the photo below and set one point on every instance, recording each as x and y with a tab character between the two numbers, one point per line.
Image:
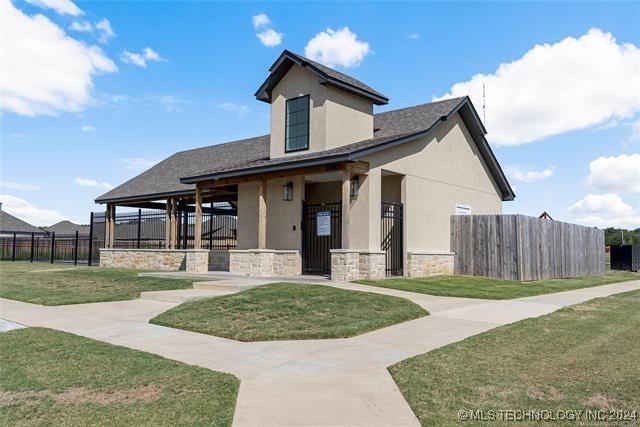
297	124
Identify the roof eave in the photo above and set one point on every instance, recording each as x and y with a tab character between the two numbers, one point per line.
264	91
336	158
144	197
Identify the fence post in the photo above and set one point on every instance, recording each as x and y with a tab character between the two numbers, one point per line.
53	246
33	238
211	227
13	251
75	250
90	239
139	222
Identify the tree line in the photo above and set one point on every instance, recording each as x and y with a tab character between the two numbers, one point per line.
613	236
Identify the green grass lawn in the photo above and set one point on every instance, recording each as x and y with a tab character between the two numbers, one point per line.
290	311
54	378
49	284
485	288
581	357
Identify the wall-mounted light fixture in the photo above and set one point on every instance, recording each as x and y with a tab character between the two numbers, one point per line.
287	191
353	187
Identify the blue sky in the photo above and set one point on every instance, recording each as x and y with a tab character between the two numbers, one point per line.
90	108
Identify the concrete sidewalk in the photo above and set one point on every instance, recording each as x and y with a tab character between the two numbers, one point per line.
316	382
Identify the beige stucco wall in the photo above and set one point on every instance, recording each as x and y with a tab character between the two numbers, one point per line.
336	117
349	118
283	216
441	170
322	192
392	188
248	199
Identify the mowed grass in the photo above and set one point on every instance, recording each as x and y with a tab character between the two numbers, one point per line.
54	378
485	288
290	311
583	357
48	284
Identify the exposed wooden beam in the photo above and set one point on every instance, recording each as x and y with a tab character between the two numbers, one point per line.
274	175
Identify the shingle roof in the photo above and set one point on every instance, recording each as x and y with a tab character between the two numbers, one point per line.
252	155
67	227
164	177
9	223
328	75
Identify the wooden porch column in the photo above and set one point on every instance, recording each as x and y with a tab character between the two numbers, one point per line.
197	232
346	205
112	225
262	215
167	225
107	226
174	226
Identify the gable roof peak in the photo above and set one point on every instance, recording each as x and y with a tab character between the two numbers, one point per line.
328	76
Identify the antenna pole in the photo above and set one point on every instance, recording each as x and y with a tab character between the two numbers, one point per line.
484	106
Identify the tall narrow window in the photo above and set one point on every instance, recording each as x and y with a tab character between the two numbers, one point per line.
297	124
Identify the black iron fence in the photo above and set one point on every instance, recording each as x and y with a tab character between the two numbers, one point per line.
69	248
392	236
141	229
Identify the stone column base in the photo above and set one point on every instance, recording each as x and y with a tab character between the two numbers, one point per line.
350	264
191	260
265	262
421	264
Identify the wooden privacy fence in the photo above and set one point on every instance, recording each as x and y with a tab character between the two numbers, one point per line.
520	247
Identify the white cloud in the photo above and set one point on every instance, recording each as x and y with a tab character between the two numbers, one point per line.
230	107
141	59
413	36
102	29
17	186
87	182
619	174
138	164
87	128
267	35
29	212
45	71
171	103
605	210
528	175
555	88
337	47
270	37
261	21
63	7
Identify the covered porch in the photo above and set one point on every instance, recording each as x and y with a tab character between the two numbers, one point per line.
343	220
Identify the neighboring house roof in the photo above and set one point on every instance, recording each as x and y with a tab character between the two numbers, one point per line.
178	173
11	224
327	76
67	227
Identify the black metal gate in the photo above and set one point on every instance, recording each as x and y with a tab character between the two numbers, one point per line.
321	232
391	233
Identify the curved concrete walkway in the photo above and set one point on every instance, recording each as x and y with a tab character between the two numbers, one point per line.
316	382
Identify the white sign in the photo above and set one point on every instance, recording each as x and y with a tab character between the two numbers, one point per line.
323	221
463	210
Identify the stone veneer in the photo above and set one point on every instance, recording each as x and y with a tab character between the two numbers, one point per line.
421	264
191	260
349	264
265	262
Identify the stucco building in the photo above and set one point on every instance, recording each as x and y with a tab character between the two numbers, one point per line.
334	188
